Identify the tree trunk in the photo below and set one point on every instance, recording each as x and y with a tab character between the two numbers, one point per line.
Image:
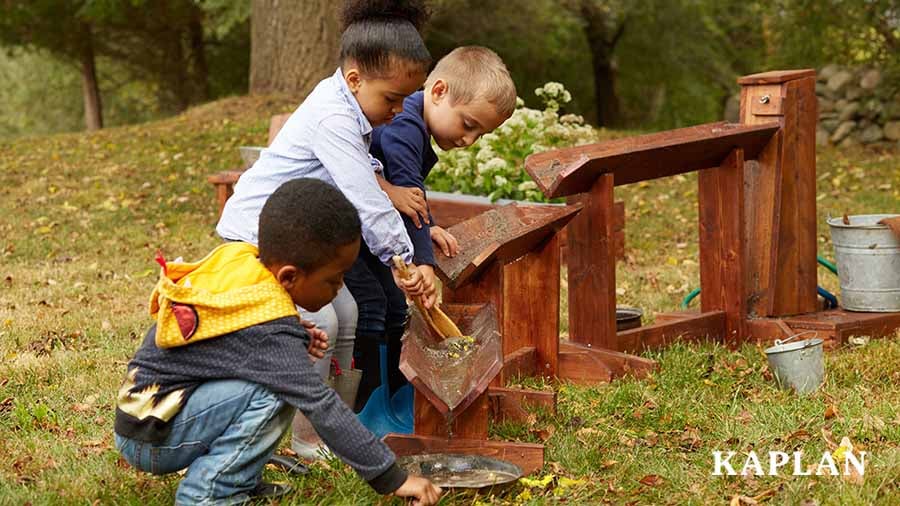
200	71
93	109
602	36
293	45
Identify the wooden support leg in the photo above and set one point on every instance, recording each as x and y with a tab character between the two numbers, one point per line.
533	321
721	249
592	268
470	424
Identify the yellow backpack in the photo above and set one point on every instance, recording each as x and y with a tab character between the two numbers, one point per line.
228	290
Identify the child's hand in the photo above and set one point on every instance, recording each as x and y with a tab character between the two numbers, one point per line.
429	291
412	284
409	201
445	240
318	340
424	492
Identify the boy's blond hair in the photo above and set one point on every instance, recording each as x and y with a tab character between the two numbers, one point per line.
475	72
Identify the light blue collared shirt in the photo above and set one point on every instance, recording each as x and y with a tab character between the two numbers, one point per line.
326	138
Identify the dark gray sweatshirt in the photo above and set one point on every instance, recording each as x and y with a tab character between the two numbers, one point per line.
271	354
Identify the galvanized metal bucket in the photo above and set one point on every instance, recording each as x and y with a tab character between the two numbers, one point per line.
799	365
868	262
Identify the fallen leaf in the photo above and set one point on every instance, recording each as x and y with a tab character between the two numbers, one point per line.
651	480
830	412
564	482
537	482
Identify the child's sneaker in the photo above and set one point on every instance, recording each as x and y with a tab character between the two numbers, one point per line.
265	490
310	451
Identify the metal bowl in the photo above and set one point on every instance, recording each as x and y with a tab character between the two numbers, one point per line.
628	318
249	154
461	471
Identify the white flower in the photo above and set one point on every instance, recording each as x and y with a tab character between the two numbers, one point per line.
489	138
495	164
527	185
485	154
500	180
479	181
519	103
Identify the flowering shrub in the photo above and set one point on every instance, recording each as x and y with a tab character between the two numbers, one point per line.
494	165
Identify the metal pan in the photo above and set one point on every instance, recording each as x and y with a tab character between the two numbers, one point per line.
461	471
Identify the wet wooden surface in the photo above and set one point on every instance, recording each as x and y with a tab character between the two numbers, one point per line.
451	384
503	234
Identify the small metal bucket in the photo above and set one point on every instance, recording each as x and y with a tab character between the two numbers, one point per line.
868	262
799	365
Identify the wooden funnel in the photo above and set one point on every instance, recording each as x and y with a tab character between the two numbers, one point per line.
452	373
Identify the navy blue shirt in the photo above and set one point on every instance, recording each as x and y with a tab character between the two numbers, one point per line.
404	148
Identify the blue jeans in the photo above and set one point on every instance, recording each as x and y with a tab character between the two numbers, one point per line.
224	435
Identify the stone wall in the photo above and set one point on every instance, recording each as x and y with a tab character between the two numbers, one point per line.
855	107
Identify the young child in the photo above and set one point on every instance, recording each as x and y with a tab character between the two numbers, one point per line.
383	59
219	406
469	93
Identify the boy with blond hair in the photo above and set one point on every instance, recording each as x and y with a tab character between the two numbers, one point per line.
468	94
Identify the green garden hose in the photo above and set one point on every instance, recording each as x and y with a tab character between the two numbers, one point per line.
696	291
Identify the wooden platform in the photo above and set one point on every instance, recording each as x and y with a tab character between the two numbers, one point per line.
833	326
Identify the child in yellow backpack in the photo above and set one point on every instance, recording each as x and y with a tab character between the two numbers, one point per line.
219	406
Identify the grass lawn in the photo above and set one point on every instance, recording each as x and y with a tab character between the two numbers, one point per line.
82	215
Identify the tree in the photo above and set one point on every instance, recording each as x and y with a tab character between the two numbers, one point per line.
604	25
64	29
294	45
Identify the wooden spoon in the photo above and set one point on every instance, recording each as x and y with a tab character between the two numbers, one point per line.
442	325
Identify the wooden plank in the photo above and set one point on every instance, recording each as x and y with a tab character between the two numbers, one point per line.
519	363
844	324
592	268
528	456
776	76
572	170
675	316
704	326
531	284
721	193
620	364
579	366
448	209
513	404
503	234
471	423
762	197
795	276
766	330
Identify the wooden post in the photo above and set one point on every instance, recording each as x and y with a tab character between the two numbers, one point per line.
530	319
780	203
721	192
592	267
472	423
